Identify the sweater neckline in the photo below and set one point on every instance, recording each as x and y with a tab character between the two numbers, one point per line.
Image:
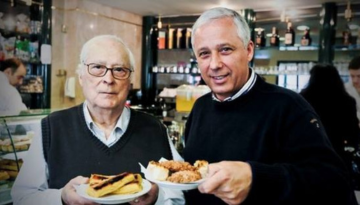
115	147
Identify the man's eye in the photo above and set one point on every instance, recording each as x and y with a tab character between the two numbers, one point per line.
97	67
225	49
119	70
203	53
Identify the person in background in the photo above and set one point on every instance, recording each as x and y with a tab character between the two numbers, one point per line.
100	136
336	109
353	86
265	144
12	73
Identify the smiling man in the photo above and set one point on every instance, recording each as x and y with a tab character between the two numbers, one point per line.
260	139
99	136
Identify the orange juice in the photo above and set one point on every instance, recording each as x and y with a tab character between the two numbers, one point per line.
184	100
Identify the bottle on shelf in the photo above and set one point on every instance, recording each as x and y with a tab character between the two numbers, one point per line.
169	37
306	39
274	40
289	35
260	38
347	37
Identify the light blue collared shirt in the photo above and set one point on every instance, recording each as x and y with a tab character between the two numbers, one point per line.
116	133
248	85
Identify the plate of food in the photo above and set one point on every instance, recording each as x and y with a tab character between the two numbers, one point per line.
114	189
176	174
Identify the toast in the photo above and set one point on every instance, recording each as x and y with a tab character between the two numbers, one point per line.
132	187
110	185
97	178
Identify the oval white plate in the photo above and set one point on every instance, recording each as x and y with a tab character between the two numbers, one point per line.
113	199
177	186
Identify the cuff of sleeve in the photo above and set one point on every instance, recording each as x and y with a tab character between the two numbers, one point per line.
160	199
268	181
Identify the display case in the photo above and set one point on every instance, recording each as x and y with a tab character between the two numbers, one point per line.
16	135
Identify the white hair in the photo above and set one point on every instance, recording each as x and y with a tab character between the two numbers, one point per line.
243	29
85	50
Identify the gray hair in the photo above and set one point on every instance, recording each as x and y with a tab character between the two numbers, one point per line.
85	50
243	29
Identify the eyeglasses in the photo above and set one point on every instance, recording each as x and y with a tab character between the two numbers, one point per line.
98	70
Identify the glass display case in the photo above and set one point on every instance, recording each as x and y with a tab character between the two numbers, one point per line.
16	135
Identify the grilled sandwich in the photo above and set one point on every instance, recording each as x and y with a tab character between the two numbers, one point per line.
110	185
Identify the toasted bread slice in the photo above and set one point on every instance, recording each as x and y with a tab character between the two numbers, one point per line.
97	178
132	187
110	185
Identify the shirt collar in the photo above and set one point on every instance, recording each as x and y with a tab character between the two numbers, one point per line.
122	122
246	88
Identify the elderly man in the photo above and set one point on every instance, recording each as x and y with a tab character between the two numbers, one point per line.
99	136
12	73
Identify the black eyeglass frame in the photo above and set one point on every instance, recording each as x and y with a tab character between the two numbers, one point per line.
111	70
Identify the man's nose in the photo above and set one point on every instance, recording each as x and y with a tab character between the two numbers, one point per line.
215	62
108	77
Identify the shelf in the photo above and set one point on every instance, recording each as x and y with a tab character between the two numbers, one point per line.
8	34
289	48
347	47
298	48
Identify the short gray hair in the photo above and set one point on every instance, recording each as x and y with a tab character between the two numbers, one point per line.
85	50
243	29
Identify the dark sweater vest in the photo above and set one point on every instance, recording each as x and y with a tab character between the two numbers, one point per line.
72	150
272	129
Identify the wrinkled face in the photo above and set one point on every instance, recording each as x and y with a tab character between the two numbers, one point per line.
17	77
222	57
355	78
105	92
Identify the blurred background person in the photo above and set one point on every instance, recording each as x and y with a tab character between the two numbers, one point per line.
12	74
336	109
353	86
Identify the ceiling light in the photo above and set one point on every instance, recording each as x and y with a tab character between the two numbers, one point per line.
348	13
159	24
282	16
269	34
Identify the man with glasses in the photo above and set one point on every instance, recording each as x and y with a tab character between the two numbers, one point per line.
12	73
100	136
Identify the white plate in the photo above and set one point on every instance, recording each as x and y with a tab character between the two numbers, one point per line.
177	186
113	199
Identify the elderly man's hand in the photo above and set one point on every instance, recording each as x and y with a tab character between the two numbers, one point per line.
148	198
69	195
230	181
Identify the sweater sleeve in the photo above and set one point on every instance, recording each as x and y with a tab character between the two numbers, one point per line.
309	170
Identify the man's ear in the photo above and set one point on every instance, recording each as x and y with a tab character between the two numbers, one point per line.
80	79
8	72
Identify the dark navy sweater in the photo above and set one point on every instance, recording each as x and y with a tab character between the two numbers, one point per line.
71	149
280	136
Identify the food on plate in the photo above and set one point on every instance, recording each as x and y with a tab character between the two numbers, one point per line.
177	171
132	187
202	167
4	175
124	183
156	171
185	176
97	178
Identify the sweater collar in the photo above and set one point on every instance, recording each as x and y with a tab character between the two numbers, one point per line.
246	88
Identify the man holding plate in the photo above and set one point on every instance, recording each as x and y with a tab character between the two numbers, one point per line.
265	144
99	136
